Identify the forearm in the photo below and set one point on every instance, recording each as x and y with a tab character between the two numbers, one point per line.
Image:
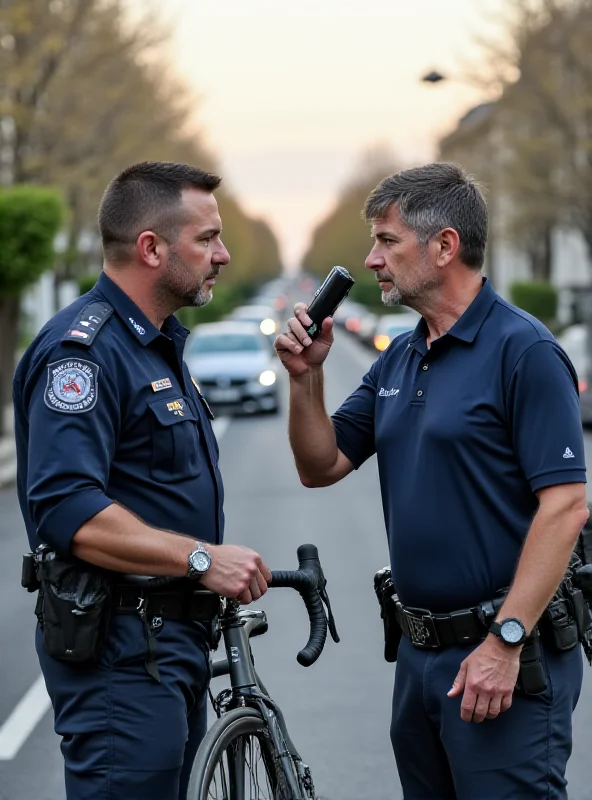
312	437
543	562
117	540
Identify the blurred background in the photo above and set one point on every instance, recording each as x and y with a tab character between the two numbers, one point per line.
302	108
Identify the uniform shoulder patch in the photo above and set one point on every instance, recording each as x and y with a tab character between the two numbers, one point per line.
88	323
72	385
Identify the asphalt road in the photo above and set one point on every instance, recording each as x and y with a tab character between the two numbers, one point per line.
338	710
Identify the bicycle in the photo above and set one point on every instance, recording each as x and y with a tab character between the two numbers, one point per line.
250	733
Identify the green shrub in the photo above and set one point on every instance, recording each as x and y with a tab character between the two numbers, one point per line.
538	298
30	218
86	283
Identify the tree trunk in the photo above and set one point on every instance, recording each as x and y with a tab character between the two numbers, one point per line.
9	325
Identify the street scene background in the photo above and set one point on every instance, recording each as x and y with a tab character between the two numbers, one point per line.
302	109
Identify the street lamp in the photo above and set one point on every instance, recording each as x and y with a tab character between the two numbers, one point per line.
433	77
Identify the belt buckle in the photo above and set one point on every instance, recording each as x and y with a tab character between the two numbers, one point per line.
422	630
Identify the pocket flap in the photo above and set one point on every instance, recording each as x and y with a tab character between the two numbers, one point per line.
171	411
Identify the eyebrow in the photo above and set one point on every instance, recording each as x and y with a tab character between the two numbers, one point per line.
385	235
208	232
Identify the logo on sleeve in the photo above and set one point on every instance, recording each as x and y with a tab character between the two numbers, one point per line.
71	386
568	453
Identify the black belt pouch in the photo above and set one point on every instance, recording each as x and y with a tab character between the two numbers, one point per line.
385	593
75	609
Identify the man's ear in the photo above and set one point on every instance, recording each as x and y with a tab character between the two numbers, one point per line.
448	242
150	249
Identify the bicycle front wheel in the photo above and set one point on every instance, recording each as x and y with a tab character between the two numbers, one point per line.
237	760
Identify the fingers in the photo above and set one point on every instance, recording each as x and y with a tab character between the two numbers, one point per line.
467	706
481	708
459	681
506	703
495	705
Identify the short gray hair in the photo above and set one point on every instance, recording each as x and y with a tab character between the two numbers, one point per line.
432	198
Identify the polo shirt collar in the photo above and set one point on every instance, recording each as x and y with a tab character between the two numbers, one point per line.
134	318
467	325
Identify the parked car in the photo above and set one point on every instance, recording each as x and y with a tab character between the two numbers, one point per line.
234	366
574	340
391	325
264	316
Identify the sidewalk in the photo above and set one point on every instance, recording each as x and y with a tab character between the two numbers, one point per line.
7	452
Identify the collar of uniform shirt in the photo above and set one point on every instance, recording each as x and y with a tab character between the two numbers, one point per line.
467	326
135	319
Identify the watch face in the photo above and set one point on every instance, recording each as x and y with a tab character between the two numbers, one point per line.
511	631
200	561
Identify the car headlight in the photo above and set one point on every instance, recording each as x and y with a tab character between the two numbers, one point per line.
267	326
267	378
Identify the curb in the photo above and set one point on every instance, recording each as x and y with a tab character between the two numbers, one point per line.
7	462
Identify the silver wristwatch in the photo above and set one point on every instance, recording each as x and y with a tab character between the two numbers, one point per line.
199	562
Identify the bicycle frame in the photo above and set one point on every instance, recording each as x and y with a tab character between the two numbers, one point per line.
247	689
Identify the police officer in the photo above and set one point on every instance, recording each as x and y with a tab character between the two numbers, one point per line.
475	422
116	459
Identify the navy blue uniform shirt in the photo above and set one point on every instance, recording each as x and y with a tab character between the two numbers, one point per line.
465	433
106	411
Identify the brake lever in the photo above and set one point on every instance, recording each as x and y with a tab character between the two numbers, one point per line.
329	614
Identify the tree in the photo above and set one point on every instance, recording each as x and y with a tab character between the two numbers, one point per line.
30	218
548	135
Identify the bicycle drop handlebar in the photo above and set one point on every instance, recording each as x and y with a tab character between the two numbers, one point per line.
310	583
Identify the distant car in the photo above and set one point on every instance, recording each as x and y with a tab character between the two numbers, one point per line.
264	316
574	340
390	326
234	366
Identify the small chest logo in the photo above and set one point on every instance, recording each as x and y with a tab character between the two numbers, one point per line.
139	328
177	408
163	383
388	392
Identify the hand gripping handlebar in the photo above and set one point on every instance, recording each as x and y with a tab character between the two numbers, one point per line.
310	582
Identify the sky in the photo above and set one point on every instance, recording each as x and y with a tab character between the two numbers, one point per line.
290	96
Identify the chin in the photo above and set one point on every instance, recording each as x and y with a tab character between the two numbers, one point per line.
202	298
391	298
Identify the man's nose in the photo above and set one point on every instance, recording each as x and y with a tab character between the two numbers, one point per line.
222	256
374	260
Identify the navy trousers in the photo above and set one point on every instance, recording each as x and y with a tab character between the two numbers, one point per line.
520	755
125	736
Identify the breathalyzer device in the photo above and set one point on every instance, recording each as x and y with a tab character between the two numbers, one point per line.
327	298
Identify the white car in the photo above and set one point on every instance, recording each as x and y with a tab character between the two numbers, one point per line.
234	366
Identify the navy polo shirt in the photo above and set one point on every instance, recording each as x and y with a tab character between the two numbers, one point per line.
106	411
465	432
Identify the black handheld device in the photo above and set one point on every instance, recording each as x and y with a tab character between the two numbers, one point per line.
327	298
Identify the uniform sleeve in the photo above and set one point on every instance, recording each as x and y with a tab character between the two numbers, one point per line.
72	405
353	421
544	412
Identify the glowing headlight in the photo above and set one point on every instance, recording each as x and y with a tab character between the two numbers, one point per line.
381	341
267	378
267	327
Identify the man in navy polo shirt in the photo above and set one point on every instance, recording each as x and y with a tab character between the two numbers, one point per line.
116	459
474	418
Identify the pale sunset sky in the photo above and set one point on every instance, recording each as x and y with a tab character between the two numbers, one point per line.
292	94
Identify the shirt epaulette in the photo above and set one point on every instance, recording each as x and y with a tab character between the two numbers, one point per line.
88	323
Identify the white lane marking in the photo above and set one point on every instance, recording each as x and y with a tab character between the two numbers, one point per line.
32	707
220	424
25	717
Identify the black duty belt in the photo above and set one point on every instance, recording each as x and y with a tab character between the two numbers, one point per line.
185	604
434	631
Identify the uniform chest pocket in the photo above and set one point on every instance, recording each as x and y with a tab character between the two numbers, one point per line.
175	441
